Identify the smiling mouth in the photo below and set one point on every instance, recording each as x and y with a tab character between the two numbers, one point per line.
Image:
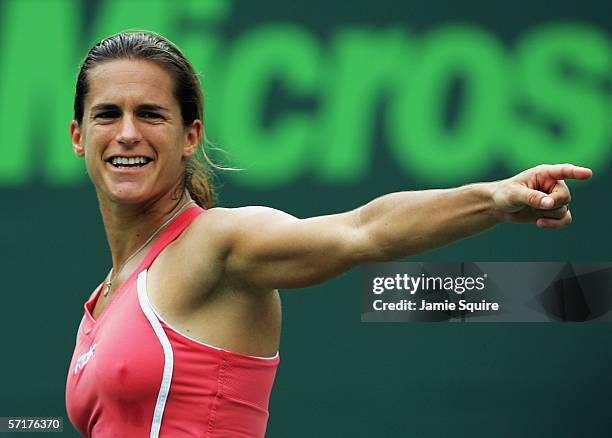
129	162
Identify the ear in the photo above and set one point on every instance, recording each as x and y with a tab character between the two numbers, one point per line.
193	135
75	136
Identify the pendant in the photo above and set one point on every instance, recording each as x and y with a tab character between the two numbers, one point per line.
107	287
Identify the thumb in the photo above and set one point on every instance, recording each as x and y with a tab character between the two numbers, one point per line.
533	198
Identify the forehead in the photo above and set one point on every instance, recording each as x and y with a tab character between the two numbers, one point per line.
130	82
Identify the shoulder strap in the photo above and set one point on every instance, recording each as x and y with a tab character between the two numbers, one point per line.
172	231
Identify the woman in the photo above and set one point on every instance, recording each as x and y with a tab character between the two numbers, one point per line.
181	339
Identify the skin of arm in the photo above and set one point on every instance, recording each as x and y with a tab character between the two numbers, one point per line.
267	249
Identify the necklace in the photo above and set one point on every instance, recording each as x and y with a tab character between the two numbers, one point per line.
109	280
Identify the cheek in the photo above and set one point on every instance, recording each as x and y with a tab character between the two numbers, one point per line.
89	150
91	163
101	134
174	145
91	154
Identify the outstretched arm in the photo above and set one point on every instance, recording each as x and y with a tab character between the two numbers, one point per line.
268	249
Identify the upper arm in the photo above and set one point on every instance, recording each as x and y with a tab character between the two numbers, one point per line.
270	249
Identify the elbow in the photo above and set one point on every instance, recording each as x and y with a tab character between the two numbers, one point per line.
376	241
367	246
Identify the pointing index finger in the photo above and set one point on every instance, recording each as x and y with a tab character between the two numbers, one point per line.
567	171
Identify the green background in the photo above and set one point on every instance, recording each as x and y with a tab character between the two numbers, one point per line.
327	105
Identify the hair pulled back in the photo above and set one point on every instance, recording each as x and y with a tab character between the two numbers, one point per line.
149	46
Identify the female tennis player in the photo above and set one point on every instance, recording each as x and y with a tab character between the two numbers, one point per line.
181	338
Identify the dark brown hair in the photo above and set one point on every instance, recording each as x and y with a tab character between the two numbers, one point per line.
145	45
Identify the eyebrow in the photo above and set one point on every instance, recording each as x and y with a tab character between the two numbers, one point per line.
142	107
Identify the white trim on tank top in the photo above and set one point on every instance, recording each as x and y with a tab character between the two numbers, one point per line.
164	389
195	340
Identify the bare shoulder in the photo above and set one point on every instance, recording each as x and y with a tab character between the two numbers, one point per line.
209	235
237	216
232	238
226	219
223	226
214	233
192	289
195	263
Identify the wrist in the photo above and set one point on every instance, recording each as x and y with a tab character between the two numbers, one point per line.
493	193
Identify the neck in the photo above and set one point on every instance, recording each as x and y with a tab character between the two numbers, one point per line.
128	226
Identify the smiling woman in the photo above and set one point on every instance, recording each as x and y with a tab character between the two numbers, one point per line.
182	337
130	112
138	112
183	83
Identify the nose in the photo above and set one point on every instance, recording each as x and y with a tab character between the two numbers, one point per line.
128	132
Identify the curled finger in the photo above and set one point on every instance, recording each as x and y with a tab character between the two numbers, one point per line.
560	194
557	213
550	223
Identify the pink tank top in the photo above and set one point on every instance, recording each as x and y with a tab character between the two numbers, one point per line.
132	375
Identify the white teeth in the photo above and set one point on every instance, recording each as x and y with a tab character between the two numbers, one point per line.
131	160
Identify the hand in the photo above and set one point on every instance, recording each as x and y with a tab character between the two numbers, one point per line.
539	195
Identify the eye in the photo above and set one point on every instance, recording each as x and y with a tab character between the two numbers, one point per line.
106	115
151	115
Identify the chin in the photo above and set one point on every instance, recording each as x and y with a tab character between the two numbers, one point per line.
127	193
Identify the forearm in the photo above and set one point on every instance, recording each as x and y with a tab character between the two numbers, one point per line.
403	224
